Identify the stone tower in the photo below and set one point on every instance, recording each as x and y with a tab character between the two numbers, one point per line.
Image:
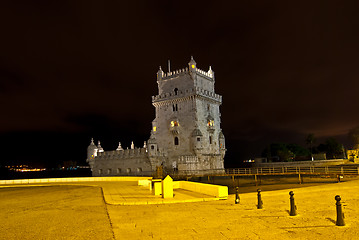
186	130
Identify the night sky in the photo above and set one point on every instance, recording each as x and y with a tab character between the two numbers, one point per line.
72	70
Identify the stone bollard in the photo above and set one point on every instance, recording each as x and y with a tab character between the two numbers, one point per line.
260	203
293	208
340	214
339	177
237	196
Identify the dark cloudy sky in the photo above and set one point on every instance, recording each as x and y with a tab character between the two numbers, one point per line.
70	70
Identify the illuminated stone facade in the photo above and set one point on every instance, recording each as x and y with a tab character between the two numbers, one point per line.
186	137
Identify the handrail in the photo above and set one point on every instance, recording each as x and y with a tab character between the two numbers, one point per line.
347	170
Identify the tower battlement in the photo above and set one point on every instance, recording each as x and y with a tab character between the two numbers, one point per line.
173	74
121	154
188	92
165	76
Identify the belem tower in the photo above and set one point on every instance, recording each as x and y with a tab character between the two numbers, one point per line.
186	136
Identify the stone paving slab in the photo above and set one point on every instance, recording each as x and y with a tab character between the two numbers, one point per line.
129	193
227	220
196	220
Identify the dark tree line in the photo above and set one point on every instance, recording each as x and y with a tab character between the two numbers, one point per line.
283	152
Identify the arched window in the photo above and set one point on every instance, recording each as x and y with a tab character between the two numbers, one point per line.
176	141
176	91
210	123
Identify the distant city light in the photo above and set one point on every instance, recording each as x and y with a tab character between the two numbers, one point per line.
24	168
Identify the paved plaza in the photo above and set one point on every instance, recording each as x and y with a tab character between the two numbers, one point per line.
79	211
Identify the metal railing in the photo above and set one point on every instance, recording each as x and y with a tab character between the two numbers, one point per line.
343	170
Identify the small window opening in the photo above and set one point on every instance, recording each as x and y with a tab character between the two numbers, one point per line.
198	139
175	107
128	170
139	169
176	141
176	91
210	139
152	147
109	171
100	171
118	170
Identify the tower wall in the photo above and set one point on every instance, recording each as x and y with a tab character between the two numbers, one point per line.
187	98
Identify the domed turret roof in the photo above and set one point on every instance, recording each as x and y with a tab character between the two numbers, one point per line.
221	135
196	133
100	149
151	140
92	146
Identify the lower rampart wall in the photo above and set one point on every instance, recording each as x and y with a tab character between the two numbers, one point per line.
135	166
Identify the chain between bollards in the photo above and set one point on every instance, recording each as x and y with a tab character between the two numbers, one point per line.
340	214
260	202
237	196
293	208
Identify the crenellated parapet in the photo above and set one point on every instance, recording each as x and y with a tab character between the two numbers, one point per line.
187	159
208	94
207	74
187	93
175	73
123	154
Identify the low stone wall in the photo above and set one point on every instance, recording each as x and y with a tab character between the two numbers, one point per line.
209	189
78	179
204	188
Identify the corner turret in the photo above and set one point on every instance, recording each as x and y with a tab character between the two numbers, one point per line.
160	74
192	65
119	148
100	149
91	153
